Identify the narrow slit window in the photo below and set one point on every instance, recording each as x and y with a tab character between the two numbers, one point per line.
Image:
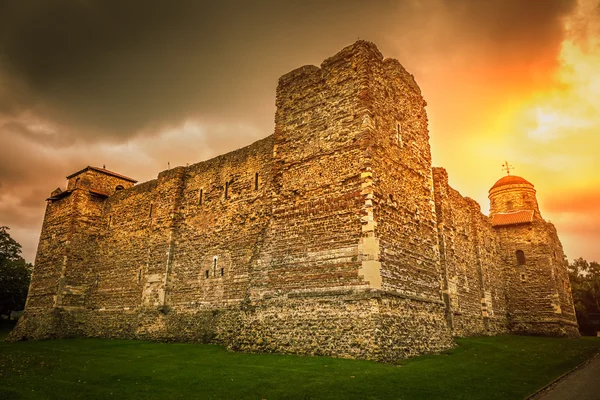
256	181
206	273
226	190
150	212
200	195
399	134
222	271
215	258
520	257
109	221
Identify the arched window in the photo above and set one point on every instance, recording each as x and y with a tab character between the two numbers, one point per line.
119	187
520	257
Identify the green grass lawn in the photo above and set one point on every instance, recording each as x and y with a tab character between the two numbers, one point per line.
505	367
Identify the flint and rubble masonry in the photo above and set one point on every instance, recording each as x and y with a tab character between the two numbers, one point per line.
332	236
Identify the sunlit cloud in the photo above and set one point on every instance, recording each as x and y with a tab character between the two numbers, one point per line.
572	106
551	123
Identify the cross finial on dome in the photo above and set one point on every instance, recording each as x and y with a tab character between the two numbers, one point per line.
506	167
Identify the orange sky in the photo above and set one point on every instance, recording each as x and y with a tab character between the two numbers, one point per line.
135	87
544	119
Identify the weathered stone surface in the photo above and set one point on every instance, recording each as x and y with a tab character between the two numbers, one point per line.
332	236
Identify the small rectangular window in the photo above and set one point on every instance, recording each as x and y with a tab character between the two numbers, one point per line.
200	195
256	181
520	257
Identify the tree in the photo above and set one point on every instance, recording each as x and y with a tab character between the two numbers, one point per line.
15	274
585	286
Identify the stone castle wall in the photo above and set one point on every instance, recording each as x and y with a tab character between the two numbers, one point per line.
332	236
472	267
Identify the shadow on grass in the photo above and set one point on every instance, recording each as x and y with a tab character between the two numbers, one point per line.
505	367
5	327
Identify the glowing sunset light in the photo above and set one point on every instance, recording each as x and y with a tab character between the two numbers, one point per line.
563	125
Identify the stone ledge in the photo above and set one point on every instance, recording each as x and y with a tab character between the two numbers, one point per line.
560	321
361	294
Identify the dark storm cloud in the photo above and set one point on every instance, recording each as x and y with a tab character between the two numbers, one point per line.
115	67
92	82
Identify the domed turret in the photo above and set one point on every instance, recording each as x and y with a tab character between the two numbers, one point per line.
513	195
510	180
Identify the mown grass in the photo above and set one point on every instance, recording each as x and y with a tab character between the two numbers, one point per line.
505	367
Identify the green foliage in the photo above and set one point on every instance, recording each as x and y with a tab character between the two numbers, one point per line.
585	286
15	274
505	367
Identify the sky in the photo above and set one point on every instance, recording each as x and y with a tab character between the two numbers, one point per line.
135	85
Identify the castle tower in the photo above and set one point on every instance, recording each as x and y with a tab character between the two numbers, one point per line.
352	187
515	196
539	299
62	278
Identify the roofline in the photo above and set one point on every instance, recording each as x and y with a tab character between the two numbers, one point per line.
104	171
531	214
497	185
60	195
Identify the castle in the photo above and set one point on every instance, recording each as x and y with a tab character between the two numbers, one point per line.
333	236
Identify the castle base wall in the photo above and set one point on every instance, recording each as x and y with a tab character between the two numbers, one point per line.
557	328
349	324
470	325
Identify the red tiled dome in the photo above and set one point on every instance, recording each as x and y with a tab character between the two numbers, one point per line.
510	180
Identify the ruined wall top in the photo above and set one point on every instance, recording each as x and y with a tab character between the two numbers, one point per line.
360	54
